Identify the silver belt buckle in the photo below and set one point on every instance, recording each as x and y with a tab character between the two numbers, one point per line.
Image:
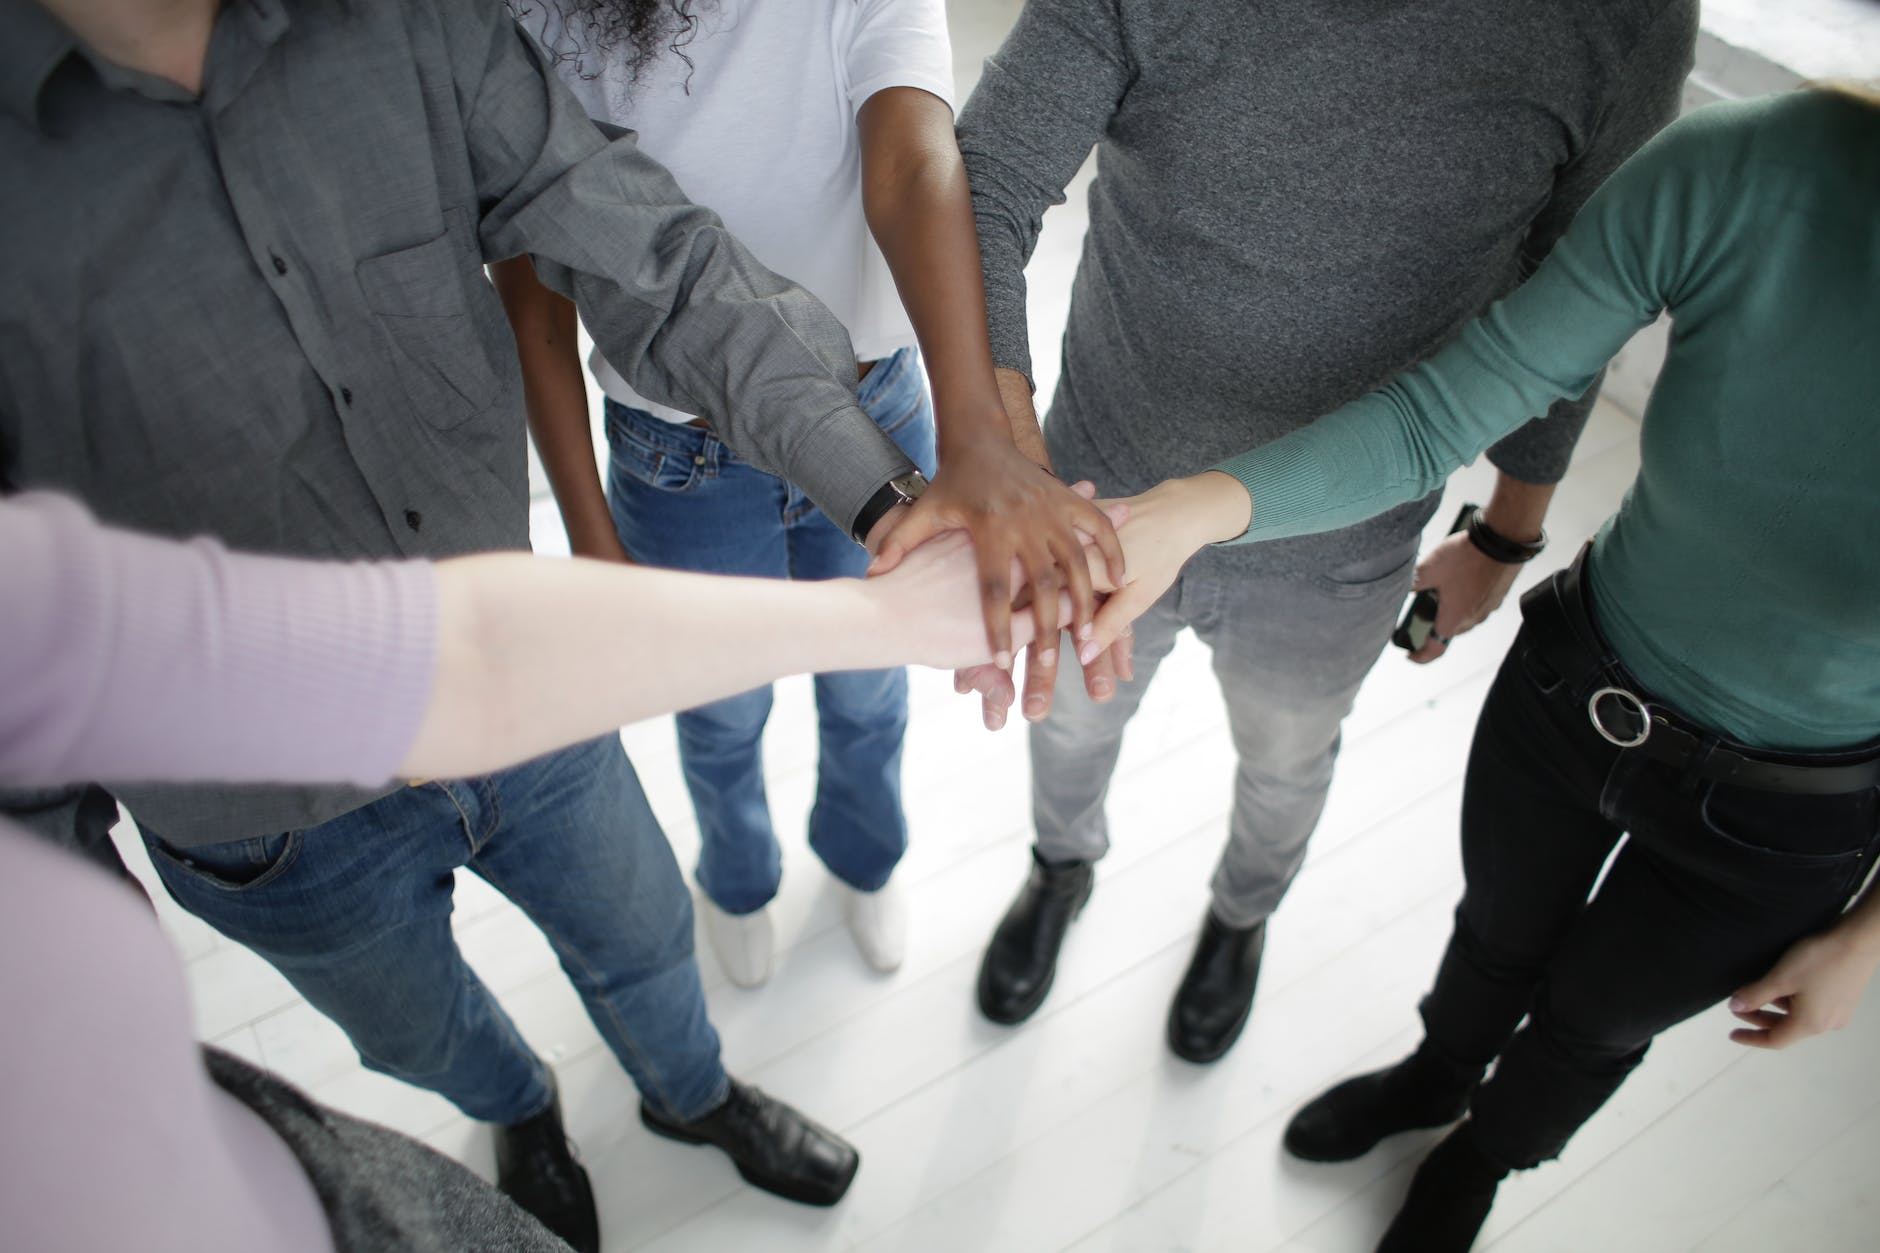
1627	699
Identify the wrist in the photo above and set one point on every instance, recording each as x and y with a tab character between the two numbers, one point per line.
1213	506
1500	547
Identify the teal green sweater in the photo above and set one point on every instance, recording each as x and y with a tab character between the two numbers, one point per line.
1740	578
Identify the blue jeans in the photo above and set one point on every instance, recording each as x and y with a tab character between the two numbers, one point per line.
680	498
356	914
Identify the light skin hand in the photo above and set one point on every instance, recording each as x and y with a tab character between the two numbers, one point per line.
995	684
1816	986
1168	524
1469	584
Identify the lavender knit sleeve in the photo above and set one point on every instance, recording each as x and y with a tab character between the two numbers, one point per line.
129	658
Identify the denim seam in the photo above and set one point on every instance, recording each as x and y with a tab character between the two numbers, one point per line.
568	953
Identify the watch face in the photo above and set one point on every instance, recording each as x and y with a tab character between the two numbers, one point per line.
909	486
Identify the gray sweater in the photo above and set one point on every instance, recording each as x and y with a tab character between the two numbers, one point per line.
1295	201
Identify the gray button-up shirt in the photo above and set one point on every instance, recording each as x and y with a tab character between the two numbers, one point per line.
262	313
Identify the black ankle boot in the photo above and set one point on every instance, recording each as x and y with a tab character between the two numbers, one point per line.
1021	961
1348	1121
773	1146
1216	995
536	1168
1449	1199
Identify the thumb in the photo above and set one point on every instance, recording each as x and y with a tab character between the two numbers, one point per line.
1085	488
1753	996
909	534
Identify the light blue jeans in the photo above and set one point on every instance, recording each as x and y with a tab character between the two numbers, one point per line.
356	914
682	499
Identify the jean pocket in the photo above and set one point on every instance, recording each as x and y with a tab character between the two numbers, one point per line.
1377	575
418	296
237	866
1825	834
1541	676
642	449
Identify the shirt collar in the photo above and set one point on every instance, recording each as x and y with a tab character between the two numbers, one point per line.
33	43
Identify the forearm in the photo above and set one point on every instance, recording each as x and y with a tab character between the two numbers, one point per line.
678	305
555	394
920	212
534	654
1518	510
1021	415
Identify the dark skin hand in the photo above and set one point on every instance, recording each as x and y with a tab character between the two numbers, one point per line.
919	210
1108	667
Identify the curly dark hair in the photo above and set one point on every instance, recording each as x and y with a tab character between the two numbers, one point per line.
645	28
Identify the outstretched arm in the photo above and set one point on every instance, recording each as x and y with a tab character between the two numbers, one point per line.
282	670
920	212
1631	250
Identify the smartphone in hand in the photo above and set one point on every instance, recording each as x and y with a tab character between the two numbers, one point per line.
1420	618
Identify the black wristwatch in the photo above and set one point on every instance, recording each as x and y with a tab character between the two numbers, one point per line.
1498	547
903	489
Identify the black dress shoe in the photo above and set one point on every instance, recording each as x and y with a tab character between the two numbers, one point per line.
774	1147
1449	1200
1216	994
1021	961
536	1168
1347	1121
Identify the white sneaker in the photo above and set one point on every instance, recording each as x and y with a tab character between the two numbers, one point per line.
878	921
745	943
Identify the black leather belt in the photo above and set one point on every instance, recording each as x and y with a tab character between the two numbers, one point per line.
1561	627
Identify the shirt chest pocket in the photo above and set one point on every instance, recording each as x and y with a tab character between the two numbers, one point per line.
417	295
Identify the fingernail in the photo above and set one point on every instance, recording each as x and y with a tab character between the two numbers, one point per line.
1101	687
1034	708
995	721
1087	654
1048	657
1738	1006
1087	630
1003	659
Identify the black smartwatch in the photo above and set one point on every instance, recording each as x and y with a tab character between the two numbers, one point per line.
903	489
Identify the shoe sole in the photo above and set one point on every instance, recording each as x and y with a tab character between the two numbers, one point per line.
773	1185
1032	1003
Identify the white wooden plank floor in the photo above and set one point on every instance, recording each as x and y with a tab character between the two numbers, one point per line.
1079	1130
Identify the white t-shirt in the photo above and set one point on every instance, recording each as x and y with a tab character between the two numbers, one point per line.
760	127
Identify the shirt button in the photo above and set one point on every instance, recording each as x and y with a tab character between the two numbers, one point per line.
345	394
280	266
413	519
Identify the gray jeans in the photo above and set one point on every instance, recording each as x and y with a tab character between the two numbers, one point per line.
1290	653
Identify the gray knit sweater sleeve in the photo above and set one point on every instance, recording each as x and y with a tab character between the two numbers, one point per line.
1643	99
1063	69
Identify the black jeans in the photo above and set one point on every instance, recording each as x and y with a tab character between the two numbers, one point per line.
1713	885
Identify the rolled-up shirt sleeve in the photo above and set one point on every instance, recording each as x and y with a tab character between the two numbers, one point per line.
674	302
128	658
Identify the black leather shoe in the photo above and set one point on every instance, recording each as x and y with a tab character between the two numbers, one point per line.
1449	1199
774	1147
1216	995
536	1168
1021	961
1347	1121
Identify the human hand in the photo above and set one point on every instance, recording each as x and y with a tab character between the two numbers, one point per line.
995	684
930	603
1469	585
1167	525
1013	509
1815	987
